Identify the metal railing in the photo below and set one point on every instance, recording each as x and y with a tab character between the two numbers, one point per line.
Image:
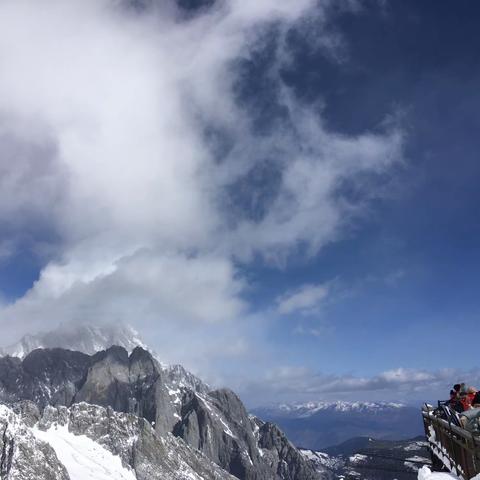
457	449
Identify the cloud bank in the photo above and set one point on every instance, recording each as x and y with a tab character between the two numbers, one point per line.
131	138
410	386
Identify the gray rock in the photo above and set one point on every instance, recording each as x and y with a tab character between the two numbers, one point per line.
178	377
285	460
214	423
44	376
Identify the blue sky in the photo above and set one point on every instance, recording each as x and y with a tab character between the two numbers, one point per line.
411	265
306	209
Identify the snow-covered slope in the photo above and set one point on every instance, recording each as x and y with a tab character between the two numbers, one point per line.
425	474
22	455
83	458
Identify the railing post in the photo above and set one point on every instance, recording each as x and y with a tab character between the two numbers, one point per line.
475	457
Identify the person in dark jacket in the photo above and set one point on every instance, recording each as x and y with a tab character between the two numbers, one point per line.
455	402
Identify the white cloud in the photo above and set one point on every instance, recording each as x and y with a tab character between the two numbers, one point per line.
305	300
103	113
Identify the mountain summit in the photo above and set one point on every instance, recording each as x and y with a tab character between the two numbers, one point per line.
82	338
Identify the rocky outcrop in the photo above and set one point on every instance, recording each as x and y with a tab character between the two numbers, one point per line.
283	458
219	426
178	378
133	384
45	376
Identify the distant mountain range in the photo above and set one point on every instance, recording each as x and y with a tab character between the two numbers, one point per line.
317	425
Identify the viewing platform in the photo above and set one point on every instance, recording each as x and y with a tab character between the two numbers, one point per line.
452	447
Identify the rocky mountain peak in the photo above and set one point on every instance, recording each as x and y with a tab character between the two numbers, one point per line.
117	398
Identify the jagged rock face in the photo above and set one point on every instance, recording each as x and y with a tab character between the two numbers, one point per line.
22	456
285	460
90	339
44	376
229	442
219	426
178	377
107	380
132	384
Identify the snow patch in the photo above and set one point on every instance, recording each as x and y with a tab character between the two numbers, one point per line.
426	474
83	458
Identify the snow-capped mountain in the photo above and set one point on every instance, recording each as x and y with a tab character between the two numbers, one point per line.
90	339
82	338
316	425
310	408
126	403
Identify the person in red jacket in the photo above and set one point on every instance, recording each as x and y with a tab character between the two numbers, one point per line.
464	400
471	392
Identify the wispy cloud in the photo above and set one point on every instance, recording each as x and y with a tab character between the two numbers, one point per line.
304	300
124	135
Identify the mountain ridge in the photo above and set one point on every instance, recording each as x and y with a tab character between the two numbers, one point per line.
310	408
215	423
